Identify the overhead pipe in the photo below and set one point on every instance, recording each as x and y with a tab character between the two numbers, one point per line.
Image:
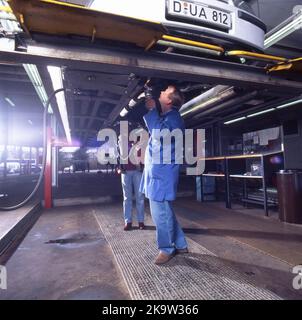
187	47
191	87
235	2
233	103
207	99
219	50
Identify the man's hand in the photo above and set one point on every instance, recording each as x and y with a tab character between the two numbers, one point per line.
150	104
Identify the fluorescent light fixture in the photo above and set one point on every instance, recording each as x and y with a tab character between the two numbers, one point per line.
287	27
8	100
57	83
292	103
31	69
36	80
289	104
235	120
261	112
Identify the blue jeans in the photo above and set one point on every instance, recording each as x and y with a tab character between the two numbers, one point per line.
131	180
169	234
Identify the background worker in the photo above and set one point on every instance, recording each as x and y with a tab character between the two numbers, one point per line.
131	175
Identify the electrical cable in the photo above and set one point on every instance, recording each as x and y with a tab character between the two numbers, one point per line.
44	155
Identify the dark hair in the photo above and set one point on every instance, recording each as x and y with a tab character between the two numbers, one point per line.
177	97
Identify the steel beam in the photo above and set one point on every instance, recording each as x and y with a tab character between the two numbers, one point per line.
98	99
160	65
107	78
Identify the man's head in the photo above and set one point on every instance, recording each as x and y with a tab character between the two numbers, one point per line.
171	97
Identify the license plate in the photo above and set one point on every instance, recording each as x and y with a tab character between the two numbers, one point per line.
198	12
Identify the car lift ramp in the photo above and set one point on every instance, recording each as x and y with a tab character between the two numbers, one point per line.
57	19
65	19
198	275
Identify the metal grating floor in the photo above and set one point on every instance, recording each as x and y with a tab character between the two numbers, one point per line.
199	275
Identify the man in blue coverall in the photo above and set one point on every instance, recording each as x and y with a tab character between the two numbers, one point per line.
160	180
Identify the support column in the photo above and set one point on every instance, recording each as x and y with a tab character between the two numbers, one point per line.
199	191
48	172
54	153
5	151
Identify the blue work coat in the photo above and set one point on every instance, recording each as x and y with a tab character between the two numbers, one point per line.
159	181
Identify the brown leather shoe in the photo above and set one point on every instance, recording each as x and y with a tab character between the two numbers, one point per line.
181	251
163	258
141	226
128	226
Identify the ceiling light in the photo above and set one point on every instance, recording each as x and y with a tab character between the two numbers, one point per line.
9	101
261	112
57	83
235	120
36	80
287	27
290	104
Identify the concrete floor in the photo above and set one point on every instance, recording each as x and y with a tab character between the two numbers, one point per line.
14	224
261	247
65	255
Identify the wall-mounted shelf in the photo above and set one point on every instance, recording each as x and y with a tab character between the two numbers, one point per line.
241	176
213	175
